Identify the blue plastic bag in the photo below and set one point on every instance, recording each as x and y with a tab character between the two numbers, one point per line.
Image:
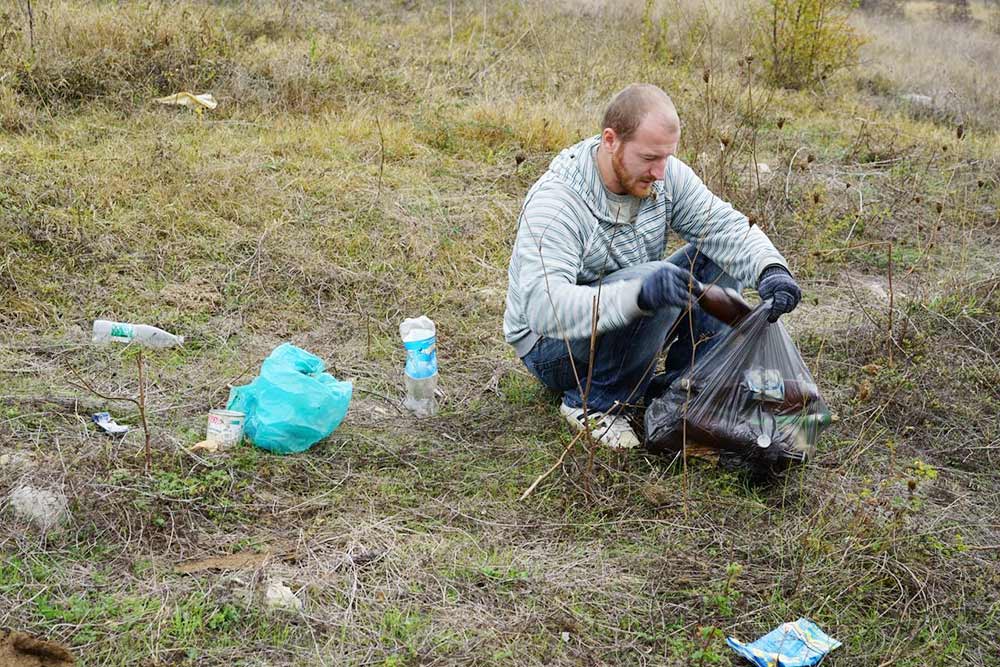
293	403
798	644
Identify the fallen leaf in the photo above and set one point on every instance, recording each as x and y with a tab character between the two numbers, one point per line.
864	390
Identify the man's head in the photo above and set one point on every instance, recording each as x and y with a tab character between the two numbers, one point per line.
640	131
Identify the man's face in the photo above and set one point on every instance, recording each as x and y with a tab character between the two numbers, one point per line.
642	159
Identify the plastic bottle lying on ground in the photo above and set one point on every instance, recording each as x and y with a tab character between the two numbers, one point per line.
106	331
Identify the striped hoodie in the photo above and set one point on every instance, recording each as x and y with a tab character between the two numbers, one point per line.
567	239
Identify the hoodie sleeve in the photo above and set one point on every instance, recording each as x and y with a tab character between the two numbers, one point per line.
716	228
550	247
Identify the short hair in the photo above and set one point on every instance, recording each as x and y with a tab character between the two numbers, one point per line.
631	104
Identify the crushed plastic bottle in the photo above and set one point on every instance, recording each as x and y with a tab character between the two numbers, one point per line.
421	373
106	331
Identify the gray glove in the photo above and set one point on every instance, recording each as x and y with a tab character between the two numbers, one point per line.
667	286
777	284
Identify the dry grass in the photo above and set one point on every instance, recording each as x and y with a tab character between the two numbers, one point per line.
949	62
290	213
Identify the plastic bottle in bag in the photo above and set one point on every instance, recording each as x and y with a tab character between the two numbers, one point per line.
106	331
421	372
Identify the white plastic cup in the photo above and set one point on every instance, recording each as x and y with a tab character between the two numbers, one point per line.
225	427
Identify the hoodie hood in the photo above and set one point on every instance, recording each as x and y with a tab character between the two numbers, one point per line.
576	168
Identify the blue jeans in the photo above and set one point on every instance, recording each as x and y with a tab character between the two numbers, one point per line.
624	359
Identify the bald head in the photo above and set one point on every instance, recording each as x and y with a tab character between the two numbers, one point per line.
630	106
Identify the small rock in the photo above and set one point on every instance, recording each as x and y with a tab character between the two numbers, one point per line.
46	509
15	460
917	100
279	596
763	168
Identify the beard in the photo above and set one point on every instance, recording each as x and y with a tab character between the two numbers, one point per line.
632	184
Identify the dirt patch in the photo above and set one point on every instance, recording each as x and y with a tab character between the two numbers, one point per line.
195	294
18	649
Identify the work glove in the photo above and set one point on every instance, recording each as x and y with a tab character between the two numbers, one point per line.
667	286
777	284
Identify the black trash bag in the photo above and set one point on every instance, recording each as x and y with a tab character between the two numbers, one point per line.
751	397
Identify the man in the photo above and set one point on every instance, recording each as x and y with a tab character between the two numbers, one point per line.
590	239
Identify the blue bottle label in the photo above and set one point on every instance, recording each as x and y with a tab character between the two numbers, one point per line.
421	358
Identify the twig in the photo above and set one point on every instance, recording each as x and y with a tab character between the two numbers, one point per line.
381	157
592	444
451	29
382	396
788	177
861	210
86	385
528	491
31	27
140	402
142	410
889	340
69	403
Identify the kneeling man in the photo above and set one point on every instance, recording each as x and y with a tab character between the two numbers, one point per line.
591	235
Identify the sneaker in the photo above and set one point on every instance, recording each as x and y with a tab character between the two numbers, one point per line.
612	431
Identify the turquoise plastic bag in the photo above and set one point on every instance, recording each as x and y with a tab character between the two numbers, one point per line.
293	403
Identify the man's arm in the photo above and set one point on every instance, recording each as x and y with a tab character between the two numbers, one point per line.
716	228
550	245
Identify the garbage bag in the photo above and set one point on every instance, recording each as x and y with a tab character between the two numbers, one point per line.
751	396
293	403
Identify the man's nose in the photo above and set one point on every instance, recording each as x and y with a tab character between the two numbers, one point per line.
659	167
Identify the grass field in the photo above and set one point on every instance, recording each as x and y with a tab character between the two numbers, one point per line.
366	163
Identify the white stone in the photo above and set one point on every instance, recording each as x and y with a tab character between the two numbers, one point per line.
15	460
919	100
762	168
279	596
46	509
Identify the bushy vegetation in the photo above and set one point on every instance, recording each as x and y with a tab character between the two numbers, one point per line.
366	163
805	41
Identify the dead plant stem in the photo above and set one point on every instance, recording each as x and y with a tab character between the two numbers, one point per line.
890	338
142	410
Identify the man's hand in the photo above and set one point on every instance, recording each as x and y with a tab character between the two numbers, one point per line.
667	286
776	283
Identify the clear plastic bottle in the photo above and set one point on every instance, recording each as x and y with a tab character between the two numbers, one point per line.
106	331
421	373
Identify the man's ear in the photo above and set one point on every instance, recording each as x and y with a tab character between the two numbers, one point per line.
609	139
